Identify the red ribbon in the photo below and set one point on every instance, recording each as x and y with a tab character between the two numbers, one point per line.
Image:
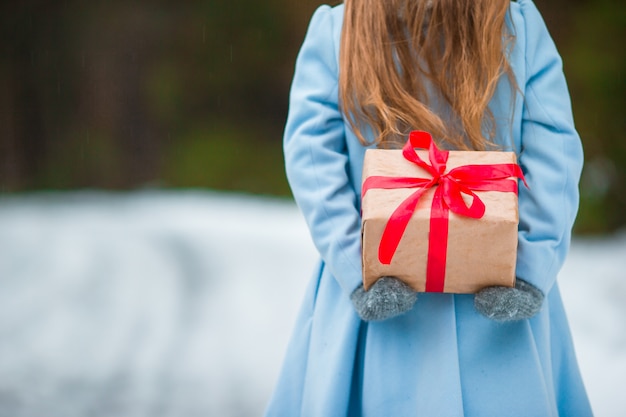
449	190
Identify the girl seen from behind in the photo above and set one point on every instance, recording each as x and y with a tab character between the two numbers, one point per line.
477	75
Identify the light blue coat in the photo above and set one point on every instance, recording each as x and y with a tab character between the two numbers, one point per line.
441	359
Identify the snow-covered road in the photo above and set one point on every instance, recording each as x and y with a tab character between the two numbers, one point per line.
180	304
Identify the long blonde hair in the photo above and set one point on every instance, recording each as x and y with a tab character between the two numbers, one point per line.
423	64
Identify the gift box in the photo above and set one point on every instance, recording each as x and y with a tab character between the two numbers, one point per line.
441	221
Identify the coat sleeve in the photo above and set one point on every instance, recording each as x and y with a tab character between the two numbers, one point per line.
316	156
551	158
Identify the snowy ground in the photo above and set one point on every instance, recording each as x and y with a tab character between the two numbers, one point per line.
176	304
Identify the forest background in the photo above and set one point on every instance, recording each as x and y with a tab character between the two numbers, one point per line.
134	94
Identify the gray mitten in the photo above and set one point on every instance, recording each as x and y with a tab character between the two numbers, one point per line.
388	297
509	304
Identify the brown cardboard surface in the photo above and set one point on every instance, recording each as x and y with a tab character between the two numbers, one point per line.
481	252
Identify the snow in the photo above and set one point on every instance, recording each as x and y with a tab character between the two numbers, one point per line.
180	303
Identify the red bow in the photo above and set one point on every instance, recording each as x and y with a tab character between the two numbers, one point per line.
449	190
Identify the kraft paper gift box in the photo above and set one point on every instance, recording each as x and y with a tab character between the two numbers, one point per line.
474	252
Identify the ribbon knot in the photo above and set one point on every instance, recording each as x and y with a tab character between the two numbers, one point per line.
449	188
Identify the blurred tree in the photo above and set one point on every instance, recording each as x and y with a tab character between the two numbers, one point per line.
24	134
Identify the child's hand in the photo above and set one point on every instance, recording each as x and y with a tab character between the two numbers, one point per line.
509	304
388	297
